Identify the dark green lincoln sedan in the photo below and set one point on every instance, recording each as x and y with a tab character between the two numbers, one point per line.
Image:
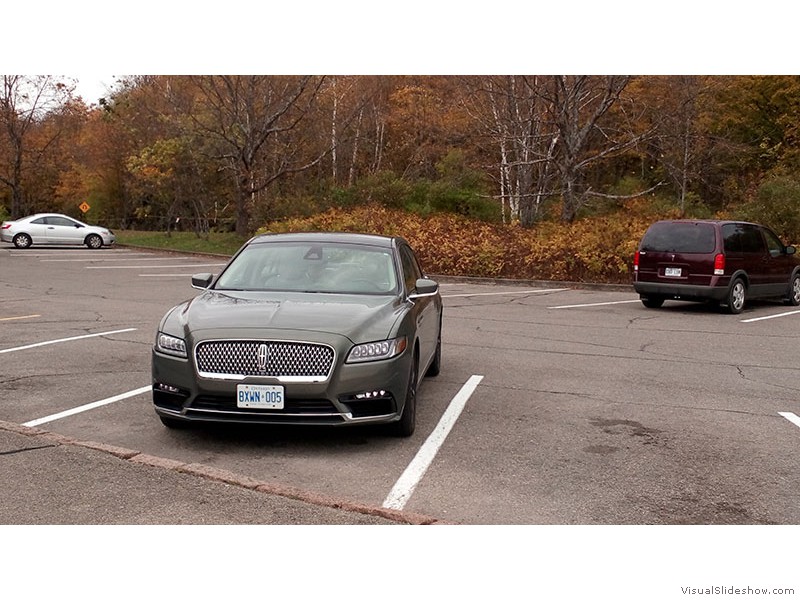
304	329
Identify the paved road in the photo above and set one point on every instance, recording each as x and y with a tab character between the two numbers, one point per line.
589	408
575	406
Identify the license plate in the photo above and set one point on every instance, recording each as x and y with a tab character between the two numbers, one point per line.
672	272
259	396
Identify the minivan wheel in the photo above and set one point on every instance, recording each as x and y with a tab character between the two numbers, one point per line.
794	291
737	295
653	301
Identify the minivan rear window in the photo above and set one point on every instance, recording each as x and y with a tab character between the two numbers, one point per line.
687	238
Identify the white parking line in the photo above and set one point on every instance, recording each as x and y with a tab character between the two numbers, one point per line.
85	407
505	293
402	490
595	304
166	274
18	318
69	339
793	418
52	253
786	314
112	259
158	266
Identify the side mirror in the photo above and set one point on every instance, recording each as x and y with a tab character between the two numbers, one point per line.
790	249
201	281
425	288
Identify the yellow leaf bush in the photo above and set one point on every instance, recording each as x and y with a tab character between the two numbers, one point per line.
593	249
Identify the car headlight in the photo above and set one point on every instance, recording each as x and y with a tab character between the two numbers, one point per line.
171	345
377	350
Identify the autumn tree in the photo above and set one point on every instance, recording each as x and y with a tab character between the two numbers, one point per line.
554	134
580	107
514	117
755	129
250	125
224	149
426	120
169	173
358	109
25	102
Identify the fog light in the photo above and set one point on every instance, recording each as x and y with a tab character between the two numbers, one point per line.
371	395
171	389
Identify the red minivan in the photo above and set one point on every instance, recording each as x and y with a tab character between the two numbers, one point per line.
723	262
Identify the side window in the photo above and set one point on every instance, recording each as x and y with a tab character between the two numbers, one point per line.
752	242
411	270
732	236
774	245
40	221
60	221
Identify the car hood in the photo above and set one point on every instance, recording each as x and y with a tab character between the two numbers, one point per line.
214	314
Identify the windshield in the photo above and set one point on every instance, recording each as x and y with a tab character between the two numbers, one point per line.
336	268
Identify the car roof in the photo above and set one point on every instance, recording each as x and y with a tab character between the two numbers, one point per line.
37	215
709	221
335	237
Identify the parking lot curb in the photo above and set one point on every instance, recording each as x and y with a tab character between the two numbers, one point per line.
535	283
223	476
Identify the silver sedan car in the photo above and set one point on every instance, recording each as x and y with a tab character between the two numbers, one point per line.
51	228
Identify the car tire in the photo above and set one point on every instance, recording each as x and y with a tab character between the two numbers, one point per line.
793	299
408	420
22	241
737	296
436	365
93	241
653	301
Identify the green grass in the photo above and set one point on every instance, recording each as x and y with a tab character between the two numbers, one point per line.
186	241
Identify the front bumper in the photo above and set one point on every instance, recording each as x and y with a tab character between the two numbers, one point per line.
180	394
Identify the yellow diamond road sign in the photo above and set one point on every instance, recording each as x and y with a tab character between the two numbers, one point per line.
84	207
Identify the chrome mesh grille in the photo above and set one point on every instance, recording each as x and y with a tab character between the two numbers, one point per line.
284	359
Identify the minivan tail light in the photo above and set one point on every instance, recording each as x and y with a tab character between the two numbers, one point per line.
636	261
719	264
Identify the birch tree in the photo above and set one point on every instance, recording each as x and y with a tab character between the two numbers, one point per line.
351	101
680	140
514	115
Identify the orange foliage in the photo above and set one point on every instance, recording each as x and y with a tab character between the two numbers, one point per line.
596	249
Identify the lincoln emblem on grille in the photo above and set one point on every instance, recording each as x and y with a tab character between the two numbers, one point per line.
263	354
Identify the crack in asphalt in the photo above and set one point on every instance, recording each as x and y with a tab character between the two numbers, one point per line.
9	452
71	374
642	353
760	382
614	401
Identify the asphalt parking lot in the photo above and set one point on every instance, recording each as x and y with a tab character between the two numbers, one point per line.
556	404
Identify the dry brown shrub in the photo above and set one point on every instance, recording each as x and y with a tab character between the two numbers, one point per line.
597	249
